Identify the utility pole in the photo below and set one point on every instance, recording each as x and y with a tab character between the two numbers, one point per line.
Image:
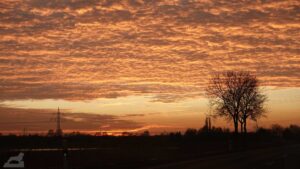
209	123
256	124
58	128
24	131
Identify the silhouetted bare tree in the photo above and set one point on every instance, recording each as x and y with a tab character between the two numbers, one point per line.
236	96
252	102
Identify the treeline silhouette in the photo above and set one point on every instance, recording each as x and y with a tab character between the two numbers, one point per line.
190	138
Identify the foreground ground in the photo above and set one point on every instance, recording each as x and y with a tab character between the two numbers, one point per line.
211	152
287	157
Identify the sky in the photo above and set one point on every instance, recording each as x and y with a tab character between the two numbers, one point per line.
138	65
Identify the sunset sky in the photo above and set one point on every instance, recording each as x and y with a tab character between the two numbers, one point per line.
140	65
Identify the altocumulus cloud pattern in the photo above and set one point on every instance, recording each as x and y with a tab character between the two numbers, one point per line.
81	50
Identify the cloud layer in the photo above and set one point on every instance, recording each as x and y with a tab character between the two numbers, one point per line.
81	50
16	119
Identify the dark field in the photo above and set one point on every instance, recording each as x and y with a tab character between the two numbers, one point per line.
171	151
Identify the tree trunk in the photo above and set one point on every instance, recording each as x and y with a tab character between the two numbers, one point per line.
245	126
242	127
236	126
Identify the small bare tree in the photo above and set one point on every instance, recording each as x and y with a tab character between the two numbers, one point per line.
235	95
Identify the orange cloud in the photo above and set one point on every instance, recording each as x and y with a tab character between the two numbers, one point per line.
81	50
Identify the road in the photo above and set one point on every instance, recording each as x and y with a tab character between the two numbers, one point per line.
287	157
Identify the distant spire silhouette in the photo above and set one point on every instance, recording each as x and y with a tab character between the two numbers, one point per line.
207	125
